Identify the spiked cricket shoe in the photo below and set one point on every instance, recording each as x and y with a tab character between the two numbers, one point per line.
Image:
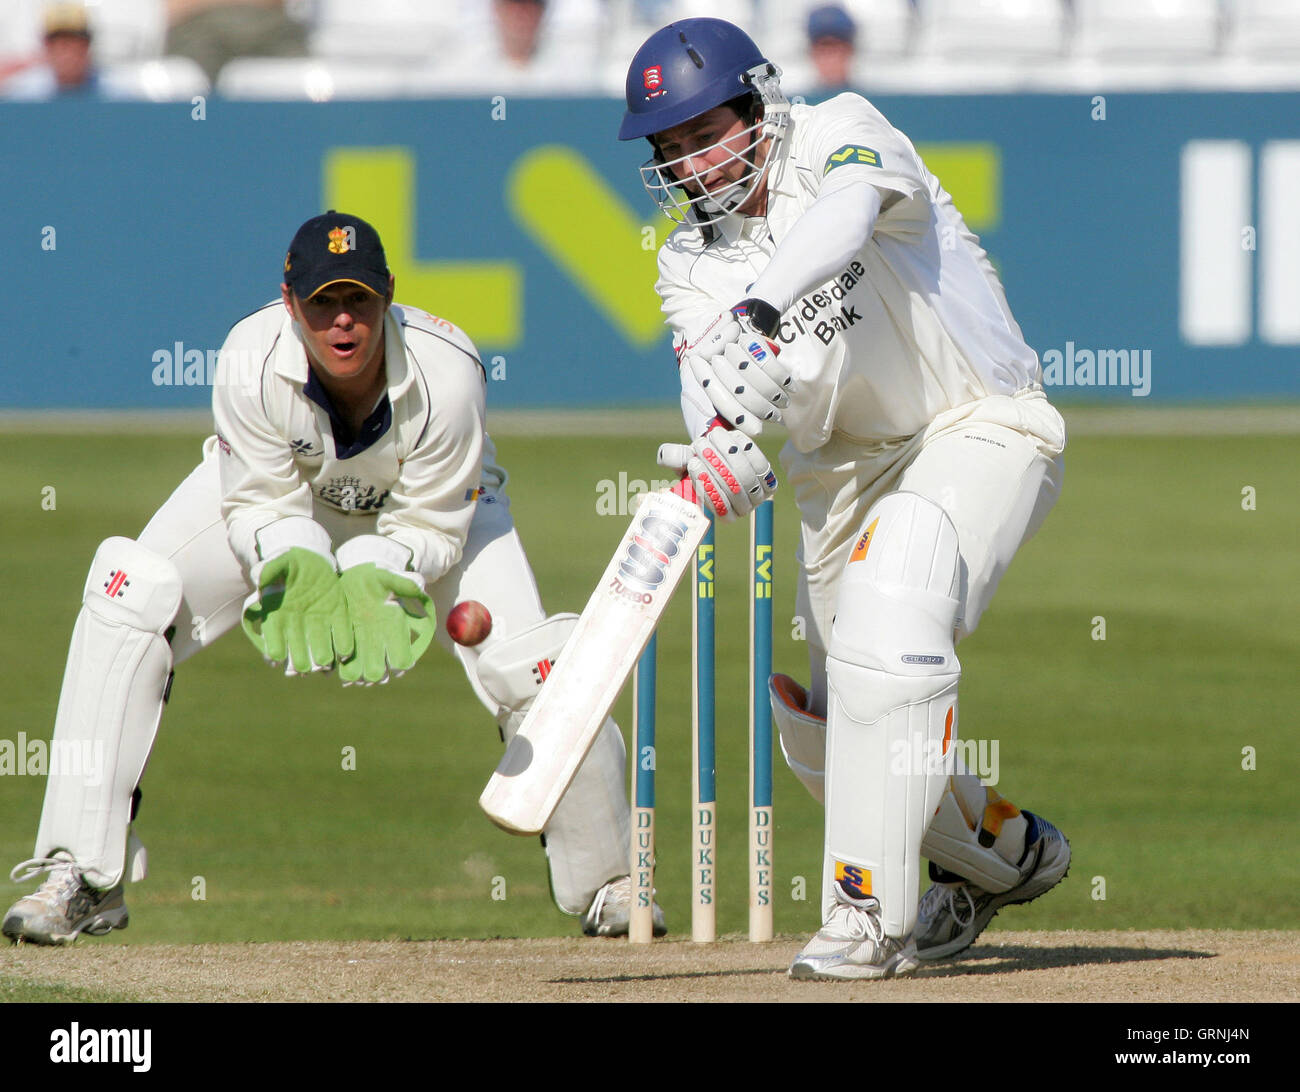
953	912
852	944
64	906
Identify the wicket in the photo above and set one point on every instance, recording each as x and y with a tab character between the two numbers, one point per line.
703	762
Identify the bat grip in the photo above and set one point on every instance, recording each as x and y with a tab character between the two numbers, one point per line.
685	488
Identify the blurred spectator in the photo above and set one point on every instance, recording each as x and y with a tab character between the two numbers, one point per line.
212	32
67	69
832	43
533	47
519	24
825	52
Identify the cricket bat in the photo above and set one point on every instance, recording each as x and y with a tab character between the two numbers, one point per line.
542	759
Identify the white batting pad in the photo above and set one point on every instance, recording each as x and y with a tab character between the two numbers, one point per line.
976	834
892	675
969	814
803	735
112	699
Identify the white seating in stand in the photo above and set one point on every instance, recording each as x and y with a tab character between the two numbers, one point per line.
162	79
314	79
1120	31
993	29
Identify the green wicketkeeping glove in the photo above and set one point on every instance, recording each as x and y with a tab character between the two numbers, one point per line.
392	623
299	616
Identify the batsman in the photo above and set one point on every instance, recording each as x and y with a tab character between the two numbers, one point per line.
349	498
820	279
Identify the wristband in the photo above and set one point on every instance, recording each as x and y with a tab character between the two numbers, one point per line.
762	316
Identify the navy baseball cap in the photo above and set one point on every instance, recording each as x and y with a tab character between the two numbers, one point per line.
831	21
332	248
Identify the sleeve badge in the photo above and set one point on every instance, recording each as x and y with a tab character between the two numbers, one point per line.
851	153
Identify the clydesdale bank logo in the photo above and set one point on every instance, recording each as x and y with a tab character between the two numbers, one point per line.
654	542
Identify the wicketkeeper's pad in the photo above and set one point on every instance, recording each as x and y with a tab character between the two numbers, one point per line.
118	669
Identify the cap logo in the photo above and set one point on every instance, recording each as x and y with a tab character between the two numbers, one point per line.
343	239
652	77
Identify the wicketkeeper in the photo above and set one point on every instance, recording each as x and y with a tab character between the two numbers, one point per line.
349	498
822	279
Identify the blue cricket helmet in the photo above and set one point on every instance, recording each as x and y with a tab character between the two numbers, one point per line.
683	70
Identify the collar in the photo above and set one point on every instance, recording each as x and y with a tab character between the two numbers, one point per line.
372	429
289	361
782	180
783	190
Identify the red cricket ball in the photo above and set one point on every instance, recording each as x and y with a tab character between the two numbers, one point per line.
469	623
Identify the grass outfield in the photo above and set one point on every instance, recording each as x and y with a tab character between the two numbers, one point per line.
1134	745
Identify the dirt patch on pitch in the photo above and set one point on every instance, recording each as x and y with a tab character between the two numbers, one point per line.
1005	966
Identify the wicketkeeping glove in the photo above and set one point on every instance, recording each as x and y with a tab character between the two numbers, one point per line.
727	468
392	623
298	615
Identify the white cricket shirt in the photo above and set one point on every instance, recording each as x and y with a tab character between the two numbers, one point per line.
417	465
916	322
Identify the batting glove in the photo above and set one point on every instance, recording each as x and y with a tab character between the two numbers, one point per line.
730	474
298	616
736	364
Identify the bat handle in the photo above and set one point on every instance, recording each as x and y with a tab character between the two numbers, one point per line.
685	488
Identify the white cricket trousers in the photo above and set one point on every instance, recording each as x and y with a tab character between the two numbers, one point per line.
993	465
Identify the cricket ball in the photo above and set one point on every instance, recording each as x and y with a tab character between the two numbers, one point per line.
469	623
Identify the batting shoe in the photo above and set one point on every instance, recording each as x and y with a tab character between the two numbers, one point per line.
954	911
852	944
64	906
610	912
